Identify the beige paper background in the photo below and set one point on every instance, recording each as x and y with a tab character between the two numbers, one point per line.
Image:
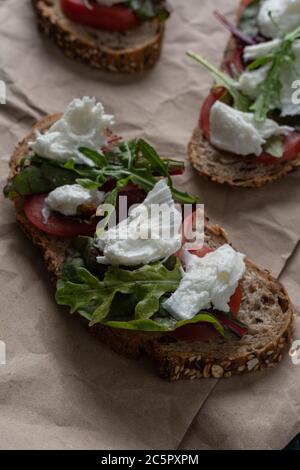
63	389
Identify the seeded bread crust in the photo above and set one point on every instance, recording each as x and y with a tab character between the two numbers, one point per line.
133	51
265	308
227	168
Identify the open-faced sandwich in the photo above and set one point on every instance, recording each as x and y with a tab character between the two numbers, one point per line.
140	282
113	35
249	127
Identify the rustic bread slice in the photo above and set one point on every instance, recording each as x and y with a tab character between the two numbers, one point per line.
228	168
266	309
133	51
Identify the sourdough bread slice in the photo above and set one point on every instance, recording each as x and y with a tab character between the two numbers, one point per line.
265	308
228	168
133	51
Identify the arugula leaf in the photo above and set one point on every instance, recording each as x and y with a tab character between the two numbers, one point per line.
38	179
168	324
127	299
148	284
274	146
89	184
150	154
97	157
241	102
269	91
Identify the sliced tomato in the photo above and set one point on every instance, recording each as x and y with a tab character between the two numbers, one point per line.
203	251
57	225
204	120
235	301
291	150
234	61
116	18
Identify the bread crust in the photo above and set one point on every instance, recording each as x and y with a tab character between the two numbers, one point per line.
177	359
227	168
78	45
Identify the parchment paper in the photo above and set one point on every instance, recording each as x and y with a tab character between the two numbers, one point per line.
60	387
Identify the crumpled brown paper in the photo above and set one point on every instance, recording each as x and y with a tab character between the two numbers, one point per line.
60	387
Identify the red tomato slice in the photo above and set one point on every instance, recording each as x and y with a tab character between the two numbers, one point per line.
57	224
117	18
291	150
235	301
234	61
203	251
204	122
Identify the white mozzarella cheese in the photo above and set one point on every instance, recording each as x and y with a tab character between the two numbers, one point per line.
150	233
238	132
66	199
278	17
207	282
82	125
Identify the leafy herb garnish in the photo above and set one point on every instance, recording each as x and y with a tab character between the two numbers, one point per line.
133	161
241	102
124	298
269	91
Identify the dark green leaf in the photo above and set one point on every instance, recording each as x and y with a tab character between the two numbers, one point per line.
38	179
97	157
149	153
128	299
89	184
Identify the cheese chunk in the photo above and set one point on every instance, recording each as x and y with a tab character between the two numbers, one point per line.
150	233
250	80
238	132
278	17
82	125
66	199
261	49
207	282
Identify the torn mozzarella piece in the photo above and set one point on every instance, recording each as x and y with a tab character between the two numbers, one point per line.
150	233
261	49
249	81
82	125
278	17
207	282
238	132
66	199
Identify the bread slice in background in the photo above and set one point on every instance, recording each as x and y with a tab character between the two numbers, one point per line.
227	168
265	308
133	51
